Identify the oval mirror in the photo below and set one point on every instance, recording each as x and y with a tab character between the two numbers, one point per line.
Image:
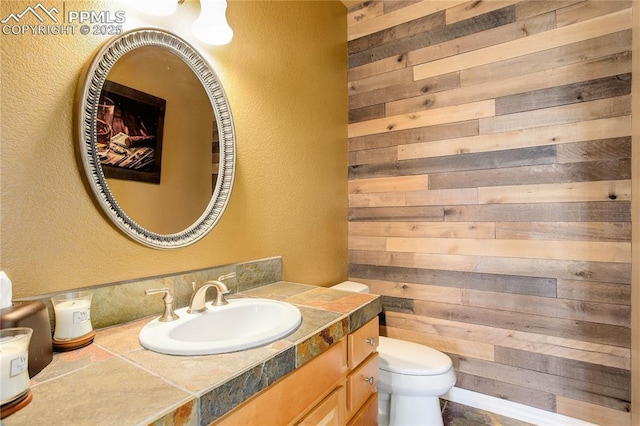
156	138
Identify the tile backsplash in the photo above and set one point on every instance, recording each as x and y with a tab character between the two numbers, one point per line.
121	302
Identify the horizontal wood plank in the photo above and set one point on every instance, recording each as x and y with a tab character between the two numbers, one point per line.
373	156
594	110
597	150
617	252
463	162
592	28
543	287
414	198
387	184
605	211
558	347
430	213
606	45
602	88
433	117
400	90
611	397
541	136
439	34
592	412
577	231
507	391
615	191
489	37
532	175
445	344
423	8
589	9
602	292
527	9
423	229
398	32
475	8
402	137
618	273
559	366
602	313
525	81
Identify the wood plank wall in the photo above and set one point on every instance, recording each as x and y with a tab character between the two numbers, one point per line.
490	190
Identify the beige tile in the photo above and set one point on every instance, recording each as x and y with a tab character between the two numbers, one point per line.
111	392
279	291
67	362
331	300
123	338
199	374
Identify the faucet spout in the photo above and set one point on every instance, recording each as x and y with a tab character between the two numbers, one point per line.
198	299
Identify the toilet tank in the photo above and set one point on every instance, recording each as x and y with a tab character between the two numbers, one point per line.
351	286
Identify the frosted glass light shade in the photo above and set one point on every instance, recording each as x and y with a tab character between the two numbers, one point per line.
157	7
211	26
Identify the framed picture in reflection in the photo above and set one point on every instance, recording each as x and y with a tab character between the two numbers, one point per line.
129	133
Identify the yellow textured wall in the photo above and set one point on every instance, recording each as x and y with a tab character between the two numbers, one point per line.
285	76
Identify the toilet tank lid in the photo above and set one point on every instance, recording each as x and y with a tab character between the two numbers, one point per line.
352	287
399	356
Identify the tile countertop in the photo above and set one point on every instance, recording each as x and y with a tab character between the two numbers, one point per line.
117	381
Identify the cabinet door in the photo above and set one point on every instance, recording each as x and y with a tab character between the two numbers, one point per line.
330	412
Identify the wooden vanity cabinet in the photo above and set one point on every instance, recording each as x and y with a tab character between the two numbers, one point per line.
337	388
362	378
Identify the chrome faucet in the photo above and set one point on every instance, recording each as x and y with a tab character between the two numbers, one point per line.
198	298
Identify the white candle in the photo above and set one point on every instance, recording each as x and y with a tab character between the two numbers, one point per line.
14	373
73	319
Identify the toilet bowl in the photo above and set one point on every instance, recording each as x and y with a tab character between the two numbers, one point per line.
411	377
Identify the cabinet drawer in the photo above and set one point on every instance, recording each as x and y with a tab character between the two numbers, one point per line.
363	342
362	383
330	412
368	415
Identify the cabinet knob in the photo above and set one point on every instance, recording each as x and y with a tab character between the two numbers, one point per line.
371	341
370	380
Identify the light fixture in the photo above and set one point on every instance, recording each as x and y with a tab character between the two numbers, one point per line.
157	7
211	26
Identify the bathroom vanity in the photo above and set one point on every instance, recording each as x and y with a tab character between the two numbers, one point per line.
337	387
326	371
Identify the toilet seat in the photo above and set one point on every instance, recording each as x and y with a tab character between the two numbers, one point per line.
402	357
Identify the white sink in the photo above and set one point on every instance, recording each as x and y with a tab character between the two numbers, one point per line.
242	324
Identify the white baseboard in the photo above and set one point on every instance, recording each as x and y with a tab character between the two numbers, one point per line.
511	409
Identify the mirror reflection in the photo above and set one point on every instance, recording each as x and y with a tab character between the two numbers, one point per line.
161	134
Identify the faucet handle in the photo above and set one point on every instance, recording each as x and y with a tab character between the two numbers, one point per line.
168	315
227	276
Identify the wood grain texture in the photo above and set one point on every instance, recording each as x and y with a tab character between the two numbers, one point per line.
433	117
592	28
558	135
618	273
520	82
490	192
541	344
441	33
592	412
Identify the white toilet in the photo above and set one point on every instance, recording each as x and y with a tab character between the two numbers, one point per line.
411	378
